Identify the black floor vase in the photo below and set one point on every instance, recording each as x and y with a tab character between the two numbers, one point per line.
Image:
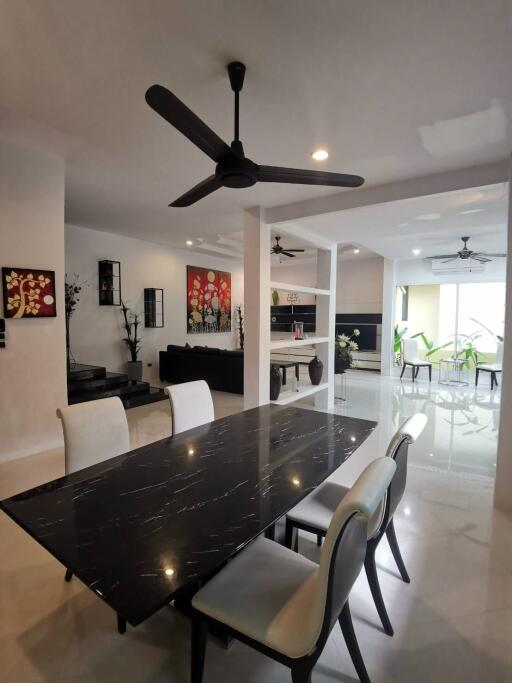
316	369
275	382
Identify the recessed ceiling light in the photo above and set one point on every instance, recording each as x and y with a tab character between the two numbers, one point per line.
428	217
356	251
189	243
416	252
468	211
169	572
320	154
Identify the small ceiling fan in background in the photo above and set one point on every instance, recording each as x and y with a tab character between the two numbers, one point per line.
281	251
464	254
233	168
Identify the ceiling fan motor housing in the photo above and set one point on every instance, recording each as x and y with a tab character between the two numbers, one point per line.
236	172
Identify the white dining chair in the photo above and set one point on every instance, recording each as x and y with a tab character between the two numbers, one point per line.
315	512
493	368
411	357
93	432
285	605
191	405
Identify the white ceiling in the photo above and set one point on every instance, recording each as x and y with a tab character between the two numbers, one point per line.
394	89
432	223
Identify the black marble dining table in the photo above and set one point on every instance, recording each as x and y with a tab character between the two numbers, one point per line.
141	528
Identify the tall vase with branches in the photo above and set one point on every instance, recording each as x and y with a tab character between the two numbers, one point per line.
72	291
131	323
240	324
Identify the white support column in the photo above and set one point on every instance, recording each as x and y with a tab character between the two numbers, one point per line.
256	308
326	321
503	486
388	317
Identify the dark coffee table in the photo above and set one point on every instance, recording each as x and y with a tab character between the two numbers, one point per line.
283	367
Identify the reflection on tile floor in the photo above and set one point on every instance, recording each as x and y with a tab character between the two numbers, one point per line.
453	623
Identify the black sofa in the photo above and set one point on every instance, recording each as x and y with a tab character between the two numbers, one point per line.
223	370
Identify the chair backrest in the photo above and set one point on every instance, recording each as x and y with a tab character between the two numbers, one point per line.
345	548
191	405
499	353
410	347
94	431
398	450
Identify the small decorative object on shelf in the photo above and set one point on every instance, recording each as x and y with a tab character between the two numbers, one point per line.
72	291
275	382
316	369
2	333
292	298
240	325
343	351
109	283
275	297
133	342
298	330
153	307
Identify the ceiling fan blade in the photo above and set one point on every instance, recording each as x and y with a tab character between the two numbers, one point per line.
287	253
202	189
484	253
480	259
181	117
441	256
453	258
298	250
279	174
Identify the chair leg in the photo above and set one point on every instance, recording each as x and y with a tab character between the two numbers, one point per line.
270	532
301	673
403	370
373	580
288	535
198	650
68	576
492	381
393	544
319	540
347	628
476	377
429	373
413	372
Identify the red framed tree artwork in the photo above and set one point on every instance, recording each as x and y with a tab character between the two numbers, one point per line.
28	293
208	300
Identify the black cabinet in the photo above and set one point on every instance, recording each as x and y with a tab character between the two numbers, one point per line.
109	283
153	307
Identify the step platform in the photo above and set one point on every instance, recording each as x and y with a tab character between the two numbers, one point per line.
90	382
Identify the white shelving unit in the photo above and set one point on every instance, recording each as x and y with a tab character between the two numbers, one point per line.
289	396
284	287
290	343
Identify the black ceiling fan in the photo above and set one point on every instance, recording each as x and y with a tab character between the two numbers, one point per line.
281	251
233	168
464	254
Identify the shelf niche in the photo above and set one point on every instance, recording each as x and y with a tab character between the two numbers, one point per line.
109	273
153	307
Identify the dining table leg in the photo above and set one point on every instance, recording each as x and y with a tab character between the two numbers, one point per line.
121	624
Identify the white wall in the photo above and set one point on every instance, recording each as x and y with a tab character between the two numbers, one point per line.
96	333
358	283
33	365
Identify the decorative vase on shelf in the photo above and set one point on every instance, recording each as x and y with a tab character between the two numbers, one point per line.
342	362
316	368
275	382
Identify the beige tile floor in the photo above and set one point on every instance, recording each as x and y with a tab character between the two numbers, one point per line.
453	623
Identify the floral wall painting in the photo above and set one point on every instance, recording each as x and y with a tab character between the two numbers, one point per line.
28	293
208	300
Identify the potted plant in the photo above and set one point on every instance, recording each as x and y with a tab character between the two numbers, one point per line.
397	344
133	342
345	344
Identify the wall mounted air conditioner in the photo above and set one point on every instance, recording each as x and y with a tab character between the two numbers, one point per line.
456	266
